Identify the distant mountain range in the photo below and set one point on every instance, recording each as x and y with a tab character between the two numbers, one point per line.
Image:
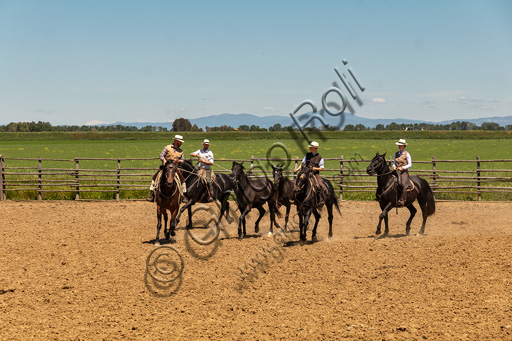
236	120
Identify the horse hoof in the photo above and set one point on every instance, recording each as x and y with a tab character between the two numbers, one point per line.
377	232
173	233
314	238
330	236
157	243
257	229
269	234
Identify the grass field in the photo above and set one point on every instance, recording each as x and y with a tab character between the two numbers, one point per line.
421	150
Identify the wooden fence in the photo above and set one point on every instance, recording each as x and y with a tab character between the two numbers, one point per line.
125	178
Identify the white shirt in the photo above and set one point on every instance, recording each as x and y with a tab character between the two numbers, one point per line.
204	155
320	164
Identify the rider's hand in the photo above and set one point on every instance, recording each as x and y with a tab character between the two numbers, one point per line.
400	168
394	167
295	170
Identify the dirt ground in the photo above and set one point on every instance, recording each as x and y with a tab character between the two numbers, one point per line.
77	270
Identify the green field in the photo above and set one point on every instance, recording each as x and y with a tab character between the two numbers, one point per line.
420	149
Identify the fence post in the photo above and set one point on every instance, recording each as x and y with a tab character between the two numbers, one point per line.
252	165
296	166
77	179
478	178
118	176
2	178
434	185
341	177
39	176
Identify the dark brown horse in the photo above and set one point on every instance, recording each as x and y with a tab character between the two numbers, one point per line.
197	192
387	194
307	201
167	198
284	187
253	194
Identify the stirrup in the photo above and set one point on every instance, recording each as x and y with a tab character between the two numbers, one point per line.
184	199
400	203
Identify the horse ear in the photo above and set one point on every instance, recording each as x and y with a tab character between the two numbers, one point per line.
384	155
377	154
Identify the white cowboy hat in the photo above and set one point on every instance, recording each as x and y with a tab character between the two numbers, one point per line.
179	138
314	144
206	141
401	142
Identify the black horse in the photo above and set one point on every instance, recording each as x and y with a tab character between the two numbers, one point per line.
387	194
197	191
284	187
307	201
167	198
253	194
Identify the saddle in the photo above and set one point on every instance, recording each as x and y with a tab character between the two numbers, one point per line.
409	186
203	178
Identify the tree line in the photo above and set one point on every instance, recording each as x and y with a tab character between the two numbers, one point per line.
183	124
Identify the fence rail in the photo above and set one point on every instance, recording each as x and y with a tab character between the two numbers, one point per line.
79	177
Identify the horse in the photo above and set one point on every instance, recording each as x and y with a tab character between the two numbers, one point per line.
387	194
197	191
307	201
284	187
167	198
253	194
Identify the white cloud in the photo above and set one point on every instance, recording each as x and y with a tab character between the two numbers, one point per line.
96	122
378	100
269	109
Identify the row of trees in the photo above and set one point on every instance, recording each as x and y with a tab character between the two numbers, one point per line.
183	124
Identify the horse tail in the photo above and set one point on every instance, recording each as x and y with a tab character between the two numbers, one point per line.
428	199
337	205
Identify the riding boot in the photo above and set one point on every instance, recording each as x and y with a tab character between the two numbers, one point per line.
210	197
401	201
184	199
152	194
151	197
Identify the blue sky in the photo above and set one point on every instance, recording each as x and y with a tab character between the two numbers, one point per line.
77	62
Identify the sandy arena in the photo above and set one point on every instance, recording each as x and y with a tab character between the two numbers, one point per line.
77	270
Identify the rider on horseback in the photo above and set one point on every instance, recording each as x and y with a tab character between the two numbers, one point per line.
205	156
171	152
316	162
402	163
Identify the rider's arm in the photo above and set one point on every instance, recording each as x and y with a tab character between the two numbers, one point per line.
320	166
162	154
303	163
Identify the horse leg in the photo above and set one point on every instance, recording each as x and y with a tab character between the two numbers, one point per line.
305	222
424	213
413	211
187	205
287	215
166	231
241	223
158	225
257	225
384	215
173	223
317	219
189	216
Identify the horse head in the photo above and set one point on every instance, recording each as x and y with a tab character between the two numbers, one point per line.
377	165
277	173
236	170
169	171
302	178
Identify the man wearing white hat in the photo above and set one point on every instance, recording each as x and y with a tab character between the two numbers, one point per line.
316	161
171	152
402	163
205	156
